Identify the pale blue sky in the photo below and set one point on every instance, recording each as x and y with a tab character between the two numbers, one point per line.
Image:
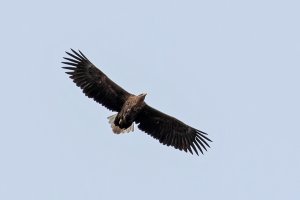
229	68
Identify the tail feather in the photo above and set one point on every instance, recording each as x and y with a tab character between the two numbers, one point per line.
116	129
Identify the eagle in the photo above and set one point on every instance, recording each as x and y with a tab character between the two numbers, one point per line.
132	108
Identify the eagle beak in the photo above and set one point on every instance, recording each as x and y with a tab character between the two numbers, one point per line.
143	95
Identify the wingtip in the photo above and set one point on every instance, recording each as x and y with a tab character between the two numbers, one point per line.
67	52
194	148
202	132
82	54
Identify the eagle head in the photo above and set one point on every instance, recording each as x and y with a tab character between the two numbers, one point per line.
142	96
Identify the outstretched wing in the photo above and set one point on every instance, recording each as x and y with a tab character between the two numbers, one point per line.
170	131
94	83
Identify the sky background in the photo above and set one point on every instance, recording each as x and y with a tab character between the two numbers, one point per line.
229	68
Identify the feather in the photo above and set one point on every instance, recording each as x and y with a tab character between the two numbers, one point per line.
175	133
84	74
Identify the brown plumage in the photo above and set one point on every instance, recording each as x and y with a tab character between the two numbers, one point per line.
131	108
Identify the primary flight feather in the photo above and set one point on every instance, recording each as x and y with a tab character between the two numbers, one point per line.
132	108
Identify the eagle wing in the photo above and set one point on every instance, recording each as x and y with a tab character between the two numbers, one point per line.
94	83
170	131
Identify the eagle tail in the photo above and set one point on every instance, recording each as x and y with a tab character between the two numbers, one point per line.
116	129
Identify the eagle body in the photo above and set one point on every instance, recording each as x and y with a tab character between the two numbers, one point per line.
132	109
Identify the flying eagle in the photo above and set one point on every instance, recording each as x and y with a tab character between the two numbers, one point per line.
131	108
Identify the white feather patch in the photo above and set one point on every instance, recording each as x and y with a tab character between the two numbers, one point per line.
116	129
